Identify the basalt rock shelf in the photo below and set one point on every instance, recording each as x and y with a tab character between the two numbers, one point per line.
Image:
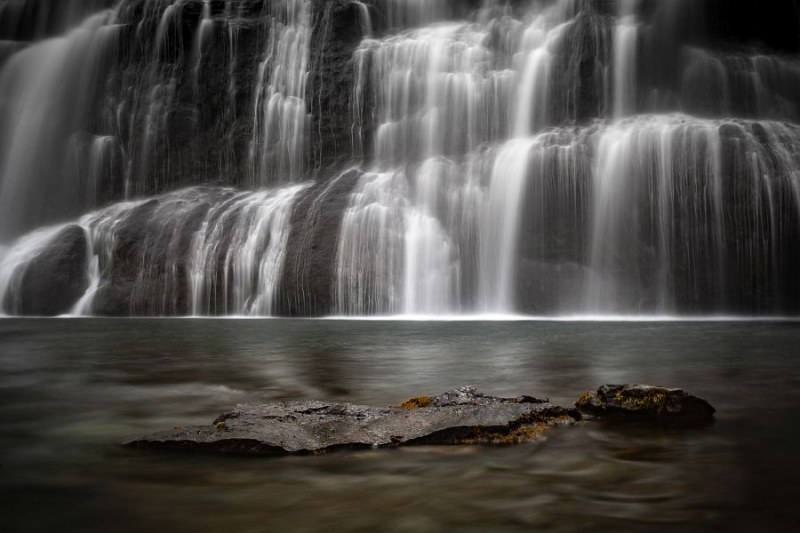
463	416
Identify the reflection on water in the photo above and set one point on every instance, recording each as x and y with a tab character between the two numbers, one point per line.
71	390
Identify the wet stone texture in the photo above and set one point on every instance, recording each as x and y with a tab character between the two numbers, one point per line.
461	416
646	403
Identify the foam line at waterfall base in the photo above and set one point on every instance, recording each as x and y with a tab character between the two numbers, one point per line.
454	319
563	318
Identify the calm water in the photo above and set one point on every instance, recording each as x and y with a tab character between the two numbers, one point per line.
72	390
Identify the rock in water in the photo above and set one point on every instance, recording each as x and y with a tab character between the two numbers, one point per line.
645	402
461	416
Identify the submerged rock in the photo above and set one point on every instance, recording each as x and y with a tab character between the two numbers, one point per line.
645	402
461	416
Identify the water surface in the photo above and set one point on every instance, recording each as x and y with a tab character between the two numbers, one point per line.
72	390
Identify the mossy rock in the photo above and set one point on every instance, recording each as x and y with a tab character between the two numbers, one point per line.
645	402
416	403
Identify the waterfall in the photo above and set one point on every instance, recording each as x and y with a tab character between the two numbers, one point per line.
397	157
670	185
440	95
46	93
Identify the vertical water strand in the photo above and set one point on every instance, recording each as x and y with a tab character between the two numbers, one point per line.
366	19
280	124
541	36
500	226
718	236
202	40
361	85
432	271
158	93
84	306
626	38
613	199
664	214
233	29
369	260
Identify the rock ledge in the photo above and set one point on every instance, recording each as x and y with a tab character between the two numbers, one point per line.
460	416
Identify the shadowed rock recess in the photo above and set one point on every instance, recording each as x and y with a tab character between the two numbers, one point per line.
311	158
462	416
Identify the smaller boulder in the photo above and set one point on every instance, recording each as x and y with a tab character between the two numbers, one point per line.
646	403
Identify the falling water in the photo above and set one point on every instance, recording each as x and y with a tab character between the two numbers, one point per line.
237	254
674	185
228	247
441	95
83	307
366	18
46	91
626	36
14	260
561	156
281	117
404	13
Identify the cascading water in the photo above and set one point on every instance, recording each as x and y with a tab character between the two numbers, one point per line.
46	94
237	254
548	157
441	96
281	117
228	246
625	47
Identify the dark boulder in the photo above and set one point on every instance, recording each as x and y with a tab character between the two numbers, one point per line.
309	272
461	416
56	279
646	403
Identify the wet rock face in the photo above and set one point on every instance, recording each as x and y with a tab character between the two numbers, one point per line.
307	287
56	279
646	403
461	416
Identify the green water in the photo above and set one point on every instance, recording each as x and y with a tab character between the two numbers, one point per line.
72	390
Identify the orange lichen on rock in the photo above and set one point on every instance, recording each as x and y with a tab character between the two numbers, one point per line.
415	403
